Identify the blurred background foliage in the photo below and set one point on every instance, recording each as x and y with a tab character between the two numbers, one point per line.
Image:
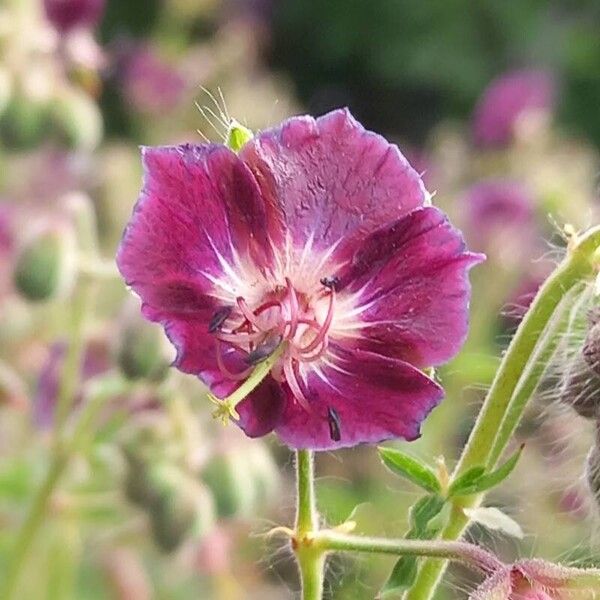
496	103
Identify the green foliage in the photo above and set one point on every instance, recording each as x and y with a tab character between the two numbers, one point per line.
476	480
411	468
421	515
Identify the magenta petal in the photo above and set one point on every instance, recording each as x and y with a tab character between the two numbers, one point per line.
330	178
375	398
412	280
261	411
198	206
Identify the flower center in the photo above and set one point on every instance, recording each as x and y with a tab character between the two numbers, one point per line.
284	318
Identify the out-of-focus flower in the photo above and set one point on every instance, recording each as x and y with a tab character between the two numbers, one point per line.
67	15
539	580
46	265
316	250
500	217
509	102
150	85
96	361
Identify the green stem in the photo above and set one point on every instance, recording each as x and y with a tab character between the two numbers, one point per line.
31	526
464	552
578	265
307	519
310	557
75	348
99	392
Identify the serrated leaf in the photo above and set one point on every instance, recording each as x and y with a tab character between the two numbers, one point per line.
411	468
405	570
494	518
475	480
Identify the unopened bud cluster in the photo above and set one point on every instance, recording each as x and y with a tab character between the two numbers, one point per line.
581	391
184	503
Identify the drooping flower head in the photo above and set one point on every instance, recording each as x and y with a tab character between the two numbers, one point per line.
509	100
306	280
539	580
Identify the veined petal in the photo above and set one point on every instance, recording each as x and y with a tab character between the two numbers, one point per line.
199	210
329	179
411	281
374	398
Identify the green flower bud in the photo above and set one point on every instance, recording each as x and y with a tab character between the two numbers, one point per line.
231	482
77	119
24	122
237	135
142	352
138	484
183	507
46	265
264	472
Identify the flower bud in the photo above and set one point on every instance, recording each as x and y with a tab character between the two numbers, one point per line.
591	348
77	119
142	352
581	388
228	477
24	122
183	507
46	265
592	473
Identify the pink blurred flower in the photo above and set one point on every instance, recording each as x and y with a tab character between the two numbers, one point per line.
96	361
150	85
508	99
66	15
318	242
499	212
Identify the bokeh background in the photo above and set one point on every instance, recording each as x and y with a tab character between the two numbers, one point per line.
496	103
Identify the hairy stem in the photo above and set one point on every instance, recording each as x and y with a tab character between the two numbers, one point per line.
464	552
577	266
310	557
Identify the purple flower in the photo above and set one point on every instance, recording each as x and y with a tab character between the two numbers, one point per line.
66	15
316	248
95	361
498	208
150	85
507	100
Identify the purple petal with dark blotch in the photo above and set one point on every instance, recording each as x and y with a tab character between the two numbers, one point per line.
413	277
198	203
375	398
330	178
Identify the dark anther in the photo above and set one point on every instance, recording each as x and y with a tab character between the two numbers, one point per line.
264	350
330	282
333	419
220	316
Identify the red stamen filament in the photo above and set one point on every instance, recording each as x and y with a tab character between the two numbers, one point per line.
321	337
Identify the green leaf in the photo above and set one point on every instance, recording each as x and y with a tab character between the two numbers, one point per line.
405	570
422	512
475	480
410	468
